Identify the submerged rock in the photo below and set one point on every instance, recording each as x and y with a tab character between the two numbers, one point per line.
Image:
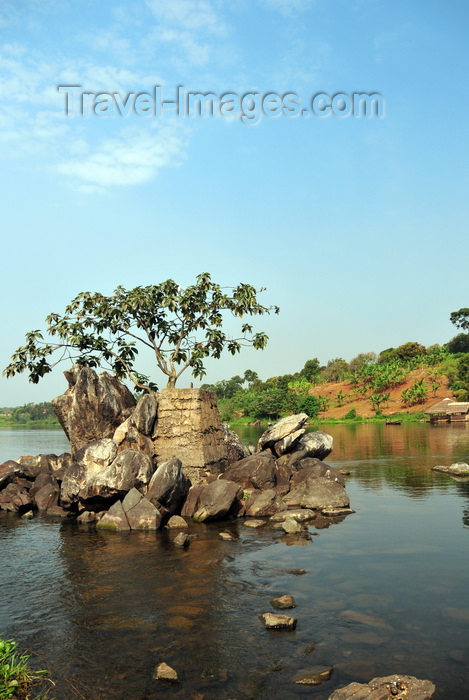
285	602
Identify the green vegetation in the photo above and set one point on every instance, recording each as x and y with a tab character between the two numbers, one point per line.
370	377
17	680
181	327
29	414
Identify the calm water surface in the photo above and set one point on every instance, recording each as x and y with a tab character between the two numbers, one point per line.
385	590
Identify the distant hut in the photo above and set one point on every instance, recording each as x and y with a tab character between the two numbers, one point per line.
449	411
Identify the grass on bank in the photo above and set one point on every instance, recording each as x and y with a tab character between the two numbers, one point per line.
378	418
17	680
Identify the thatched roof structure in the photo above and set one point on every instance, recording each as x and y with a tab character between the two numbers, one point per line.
448	407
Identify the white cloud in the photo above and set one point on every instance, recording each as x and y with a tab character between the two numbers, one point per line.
132	158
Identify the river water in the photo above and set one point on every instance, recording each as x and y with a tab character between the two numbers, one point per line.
384	591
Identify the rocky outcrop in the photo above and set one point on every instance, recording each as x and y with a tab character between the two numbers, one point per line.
392	687
93	406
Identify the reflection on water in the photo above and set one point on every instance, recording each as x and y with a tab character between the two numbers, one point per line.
384	591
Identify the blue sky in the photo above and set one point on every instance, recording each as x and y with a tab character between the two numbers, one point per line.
357	227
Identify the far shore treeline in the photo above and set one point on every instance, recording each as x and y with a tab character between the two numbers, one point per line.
367	376
30	413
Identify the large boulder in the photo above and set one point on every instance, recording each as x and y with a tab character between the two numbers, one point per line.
255	471
318	486
89	461
92	407
169	486
281	430
259	505
140	513
129	469
316	444
217	500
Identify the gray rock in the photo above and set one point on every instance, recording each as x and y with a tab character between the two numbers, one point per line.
129	469
284	602
182	540
387	687
144	415
114	519
288	443
318	444
169	486
191	503
318	493
301	515
217	499
92	407
281	429
290	526
143	515
235	447
176	522
255	471
263	504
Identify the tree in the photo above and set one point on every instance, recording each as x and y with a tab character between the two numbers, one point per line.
460	343
180	326
460	319
311	370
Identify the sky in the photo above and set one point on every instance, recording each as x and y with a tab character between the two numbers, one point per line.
356	224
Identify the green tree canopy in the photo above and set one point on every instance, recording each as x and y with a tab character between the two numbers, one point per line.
460	319
460	343
180	326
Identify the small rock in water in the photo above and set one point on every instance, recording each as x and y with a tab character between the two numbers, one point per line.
28	515
297	572
175	522
315	677
279	622
182	540
226	536
163	672
284	602
290	526
331	512
254	523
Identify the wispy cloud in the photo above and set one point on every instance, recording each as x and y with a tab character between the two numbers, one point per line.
132	158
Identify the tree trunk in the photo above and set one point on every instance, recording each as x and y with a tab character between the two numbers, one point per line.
171	381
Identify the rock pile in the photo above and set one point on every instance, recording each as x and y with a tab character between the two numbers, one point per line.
132	471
